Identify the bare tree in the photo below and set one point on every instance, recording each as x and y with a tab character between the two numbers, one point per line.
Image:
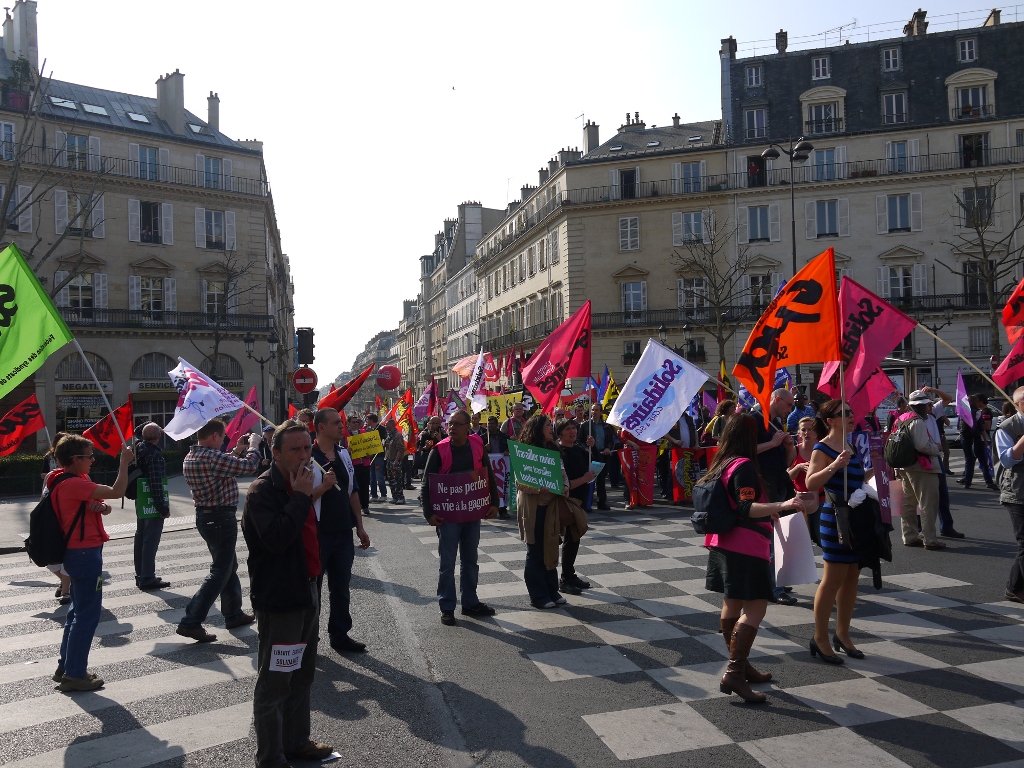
232	271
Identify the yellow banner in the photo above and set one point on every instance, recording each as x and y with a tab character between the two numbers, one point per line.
500	406
366	444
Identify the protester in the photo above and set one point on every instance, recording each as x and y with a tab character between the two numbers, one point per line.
279	526
362	466
305	416
577	469
394	454
806	439
475	428
459	452
713	430
921	479
431	435
149	459
973	441
559	414
836	468
937	434
901	408
210	475
378	466
801	410
579	414
600	437
495	442
50	463
266	453
1010	473
738	561
985	418
513	425
74	493
632	495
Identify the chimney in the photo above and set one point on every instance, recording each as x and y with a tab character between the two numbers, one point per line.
26	39
917	25
542	177
993	18
9	43
728	49
591	140
213	111
781	41
675	120
636	124
568	155
552	167
525	191
170	101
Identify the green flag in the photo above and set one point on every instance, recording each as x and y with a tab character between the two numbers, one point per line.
31	328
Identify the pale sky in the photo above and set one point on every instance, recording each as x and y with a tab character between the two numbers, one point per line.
378	119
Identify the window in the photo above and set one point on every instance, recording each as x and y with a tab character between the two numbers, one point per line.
820	68
691	177
980	340
905	349
147	163
823	118
897	157
150	226
757	223
627	183
894	108
79	215
967	50
899	213
828	218
213	173
901	282
974	150
695	351
215	230
7	139
972	102
80	296
824	164
152	299
890	59
692	292
634	301
975	287
215	299
629	233
757	123
977	206
761	290
754	76
630	352
78	152
687	227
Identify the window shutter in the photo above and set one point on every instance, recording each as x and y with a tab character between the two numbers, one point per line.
810	220
741	171
742	224
202	296
745	290
230	242
680	293
843	207
636	182
25	214
707	224
774	222
841	163
881	214
134	168
164	156
167	223
134	221
914	154
776	282
624	233
63	295
200	227
97	218
678	234
643	295
920	279
170	294
703	176
200	170
622	296
677	178
60	211
233	299
613	183
99	290
890	160
882	286
226	167
93	162
768	167
916	211
60	147
134	292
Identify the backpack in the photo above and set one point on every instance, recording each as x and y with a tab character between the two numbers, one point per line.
131	491
714	511
46	542
900	452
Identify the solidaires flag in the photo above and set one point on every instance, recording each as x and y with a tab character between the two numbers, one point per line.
31	328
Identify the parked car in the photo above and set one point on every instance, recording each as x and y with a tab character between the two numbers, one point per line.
953	430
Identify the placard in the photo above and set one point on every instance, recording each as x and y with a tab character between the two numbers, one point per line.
499	468
365	444
144	506
883	477
461	497
794	558
536	467
286	658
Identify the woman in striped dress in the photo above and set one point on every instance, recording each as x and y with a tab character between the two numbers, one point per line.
838	586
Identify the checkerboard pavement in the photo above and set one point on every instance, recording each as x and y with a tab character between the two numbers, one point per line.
942	682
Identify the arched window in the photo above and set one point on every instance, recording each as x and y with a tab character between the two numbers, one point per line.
226	368
72	368
153	365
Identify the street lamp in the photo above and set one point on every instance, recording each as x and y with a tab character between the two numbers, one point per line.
687	336
919	311
272	342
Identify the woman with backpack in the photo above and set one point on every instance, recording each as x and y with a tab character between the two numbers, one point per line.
739	564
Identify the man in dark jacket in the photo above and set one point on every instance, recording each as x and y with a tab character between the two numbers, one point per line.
1009	440
150	461
599	435
279	526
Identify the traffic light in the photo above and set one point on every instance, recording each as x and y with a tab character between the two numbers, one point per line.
304	345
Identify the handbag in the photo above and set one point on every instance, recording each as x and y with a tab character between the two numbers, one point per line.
842	511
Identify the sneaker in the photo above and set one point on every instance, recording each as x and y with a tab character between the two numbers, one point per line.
196	633
243	620
448	618
546	605
480	609
560	600
85	683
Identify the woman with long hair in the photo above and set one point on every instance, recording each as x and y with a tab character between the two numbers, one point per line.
806	438
831	455
739	564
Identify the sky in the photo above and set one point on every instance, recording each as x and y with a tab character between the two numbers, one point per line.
378	119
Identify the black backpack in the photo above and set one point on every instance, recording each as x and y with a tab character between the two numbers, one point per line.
712	511
46	542
131	491
900	452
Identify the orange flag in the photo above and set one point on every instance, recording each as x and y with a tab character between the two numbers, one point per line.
801	325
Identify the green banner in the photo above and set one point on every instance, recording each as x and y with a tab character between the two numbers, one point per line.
31	328
144	507
537	467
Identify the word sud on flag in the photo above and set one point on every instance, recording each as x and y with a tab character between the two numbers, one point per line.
199	400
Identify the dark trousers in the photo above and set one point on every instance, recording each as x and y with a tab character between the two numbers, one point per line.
614	470
337	553
220	532
600	489
541	583
363	481
280	702
665	472
1015	583
147	539
974	451
945	516
570	548
409	468
462	539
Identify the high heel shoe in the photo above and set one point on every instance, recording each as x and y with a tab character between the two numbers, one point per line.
853	653
828	659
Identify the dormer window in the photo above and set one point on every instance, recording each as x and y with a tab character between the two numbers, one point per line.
821	68
967	50
890	60
754	78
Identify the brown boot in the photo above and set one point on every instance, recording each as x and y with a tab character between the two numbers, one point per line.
751	675
734	679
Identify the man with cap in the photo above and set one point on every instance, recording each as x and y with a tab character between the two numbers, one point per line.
921	479
800	410
946	528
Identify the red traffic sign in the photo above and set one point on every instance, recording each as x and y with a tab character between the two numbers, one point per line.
304	380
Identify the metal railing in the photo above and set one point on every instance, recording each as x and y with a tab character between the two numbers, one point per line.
138	318
629	358
825	125
971	112
533	333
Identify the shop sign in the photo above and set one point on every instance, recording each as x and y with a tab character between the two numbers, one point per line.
160	385
84	386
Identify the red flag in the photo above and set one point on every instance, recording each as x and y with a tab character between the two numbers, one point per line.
394	412
501	364
332	388
1013	314
339	398
522	358
244	419
103	434
1012	367
292	411
563	354
22	420
491	372
509	363
377	403
433	401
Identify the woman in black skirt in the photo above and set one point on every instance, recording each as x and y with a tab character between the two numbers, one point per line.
739	564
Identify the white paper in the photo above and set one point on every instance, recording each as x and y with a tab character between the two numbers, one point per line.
286	658
794	558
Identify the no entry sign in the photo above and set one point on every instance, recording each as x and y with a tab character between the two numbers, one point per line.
304	380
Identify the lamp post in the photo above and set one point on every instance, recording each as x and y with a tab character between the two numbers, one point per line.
918	310
687	336
272	342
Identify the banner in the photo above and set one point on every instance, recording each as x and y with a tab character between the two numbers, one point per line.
477	384
103	434
1012	367
244	420
1013	314
339	398
537	467
569	402
365	444
23	420
461	497
500	406
883	478
685	467
638	471
31	328
801	325
656	393
565	353
499	468
144	506
292	411
199	400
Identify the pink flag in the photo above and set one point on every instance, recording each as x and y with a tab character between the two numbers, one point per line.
491	372
864	400
1012	367
425	405
565	353
871	330
709	401
963	401
245	419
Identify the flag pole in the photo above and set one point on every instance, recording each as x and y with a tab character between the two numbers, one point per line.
99	387
984	375
842	399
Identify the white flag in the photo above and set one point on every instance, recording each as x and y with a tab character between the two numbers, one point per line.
477	384
656	393
199	400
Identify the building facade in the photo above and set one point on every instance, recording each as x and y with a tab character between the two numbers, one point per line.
379	352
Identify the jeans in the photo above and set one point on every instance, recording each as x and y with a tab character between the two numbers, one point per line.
945	516
1015	583
147	539
220	531
541	583
85	567
363	481
378	477
280	702
337	553
973	451
463	539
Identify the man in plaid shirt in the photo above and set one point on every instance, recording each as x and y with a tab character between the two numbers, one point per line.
210	474
150	461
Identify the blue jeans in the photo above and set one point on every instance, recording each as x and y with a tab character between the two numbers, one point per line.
147	539
337	552
220	531
462	539
945	516
85	567
541	583
378	477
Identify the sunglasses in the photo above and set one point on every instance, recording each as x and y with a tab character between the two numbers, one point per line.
836	415
83	456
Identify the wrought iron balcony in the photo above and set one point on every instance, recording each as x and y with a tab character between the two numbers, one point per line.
135	318
971	112
825	125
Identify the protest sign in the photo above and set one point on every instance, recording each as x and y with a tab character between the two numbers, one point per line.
144	506
536	467
500	406
365	444
638	469
883	477
685	463
499	468
794	558
461	497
